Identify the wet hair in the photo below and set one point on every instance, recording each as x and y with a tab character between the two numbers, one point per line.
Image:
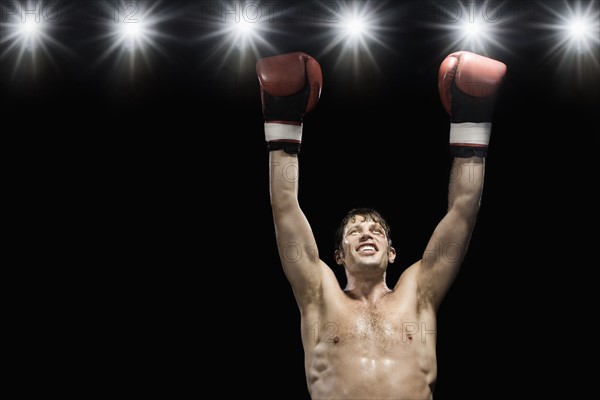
369	214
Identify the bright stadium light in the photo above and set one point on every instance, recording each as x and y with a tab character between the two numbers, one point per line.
471	26
358	32
243	34
132	33
574	36
356	27
29	29
26	36
236	30
580	32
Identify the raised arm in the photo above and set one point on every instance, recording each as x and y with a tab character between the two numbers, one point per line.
468	85
290	87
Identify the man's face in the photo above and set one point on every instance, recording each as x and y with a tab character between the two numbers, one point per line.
365	244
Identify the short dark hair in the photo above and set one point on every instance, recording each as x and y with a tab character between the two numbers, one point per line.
369	214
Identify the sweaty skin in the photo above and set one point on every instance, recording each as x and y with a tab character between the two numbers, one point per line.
367	341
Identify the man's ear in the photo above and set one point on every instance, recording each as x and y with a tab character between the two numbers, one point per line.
339	257
391	254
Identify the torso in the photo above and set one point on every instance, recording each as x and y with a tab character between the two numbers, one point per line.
365	351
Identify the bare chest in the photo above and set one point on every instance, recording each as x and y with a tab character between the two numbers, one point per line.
362	325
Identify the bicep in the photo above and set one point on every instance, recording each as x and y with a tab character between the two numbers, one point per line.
298	253
448	244
444	255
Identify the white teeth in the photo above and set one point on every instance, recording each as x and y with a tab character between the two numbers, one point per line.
367	247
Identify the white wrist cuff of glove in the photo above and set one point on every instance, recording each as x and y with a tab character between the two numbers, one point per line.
470	133
284	132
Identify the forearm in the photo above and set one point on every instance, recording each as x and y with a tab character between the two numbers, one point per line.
283	179
466	186
291	226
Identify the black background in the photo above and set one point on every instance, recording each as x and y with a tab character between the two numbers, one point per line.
149	190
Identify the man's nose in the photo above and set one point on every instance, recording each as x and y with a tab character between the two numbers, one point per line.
365	235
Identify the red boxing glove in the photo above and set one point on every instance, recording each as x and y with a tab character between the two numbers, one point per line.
468	84
290	87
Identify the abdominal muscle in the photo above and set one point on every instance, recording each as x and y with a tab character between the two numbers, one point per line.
366	356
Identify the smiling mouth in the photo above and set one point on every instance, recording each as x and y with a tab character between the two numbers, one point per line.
366	248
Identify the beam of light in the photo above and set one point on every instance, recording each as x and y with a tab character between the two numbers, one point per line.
26	35
236	30
132	33
472	26
574	37
356	27
358	30
581	32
